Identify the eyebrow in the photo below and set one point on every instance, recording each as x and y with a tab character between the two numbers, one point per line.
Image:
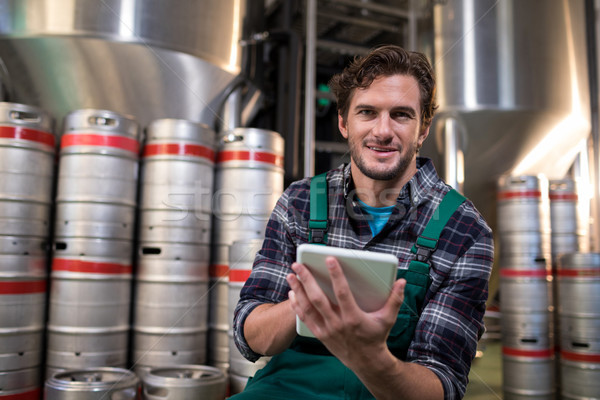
406	109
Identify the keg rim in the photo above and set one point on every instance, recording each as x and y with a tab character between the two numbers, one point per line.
126	379
151	376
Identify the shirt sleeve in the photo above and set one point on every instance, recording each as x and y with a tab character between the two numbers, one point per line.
451	323
267	283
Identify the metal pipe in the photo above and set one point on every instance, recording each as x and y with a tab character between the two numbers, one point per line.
310	87
454	170
591	26
412	26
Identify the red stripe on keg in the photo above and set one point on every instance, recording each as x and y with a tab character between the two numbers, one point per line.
567	355
218	270
90	267
29	395
239	275
92	139
509	351
23	287
578	272
179	149
242	155
536	273
563	196
33	135
523	194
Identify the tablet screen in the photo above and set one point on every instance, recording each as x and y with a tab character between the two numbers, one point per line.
370	275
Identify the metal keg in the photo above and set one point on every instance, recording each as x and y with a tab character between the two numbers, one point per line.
178	166
98	158
184	382
528	355
578	278
249	172
20	384
227	229
241	255
523	204
27	149
525	290
566	222
88	321
92	384
22	312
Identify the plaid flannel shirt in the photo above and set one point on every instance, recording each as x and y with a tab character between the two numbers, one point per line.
451	321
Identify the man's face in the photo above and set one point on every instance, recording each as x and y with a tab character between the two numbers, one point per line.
383	127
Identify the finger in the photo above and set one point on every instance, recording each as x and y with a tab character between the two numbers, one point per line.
300	302
341	288
395	299
314	294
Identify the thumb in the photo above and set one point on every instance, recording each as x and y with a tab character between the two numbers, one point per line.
396	297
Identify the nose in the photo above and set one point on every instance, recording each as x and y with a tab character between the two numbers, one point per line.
383	127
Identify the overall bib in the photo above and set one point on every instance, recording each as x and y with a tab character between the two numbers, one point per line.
307	370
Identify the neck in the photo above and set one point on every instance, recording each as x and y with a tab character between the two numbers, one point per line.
379	193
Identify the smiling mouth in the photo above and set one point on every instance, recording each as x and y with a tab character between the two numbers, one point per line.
381	149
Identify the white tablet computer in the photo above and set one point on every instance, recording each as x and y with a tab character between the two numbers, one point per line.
370	275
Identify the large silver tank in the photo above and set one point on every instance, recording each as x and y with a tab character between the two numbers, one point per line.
513	92
149	59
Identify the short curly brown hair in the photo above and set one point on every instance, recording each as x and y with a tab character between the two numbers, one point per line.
386	60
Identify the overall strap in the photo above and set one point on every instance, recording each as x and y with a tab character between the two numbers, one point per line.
427	241
317	225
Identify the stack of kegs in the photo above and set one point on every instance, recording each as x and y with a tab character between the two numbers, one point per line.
92	384
248	183
241	259
578	276
90	296
171	285
27	164
525	287
569	227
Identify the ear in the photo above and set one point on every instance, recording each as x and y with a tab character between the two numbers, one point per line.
422	136
342	126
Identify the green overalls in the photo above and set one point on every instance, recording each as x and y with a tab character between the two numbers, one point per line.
307	370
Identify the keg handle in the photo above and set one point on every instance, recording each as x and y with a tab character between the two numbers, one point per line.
24	116
92	377
152	392
231	138
125	394
102	121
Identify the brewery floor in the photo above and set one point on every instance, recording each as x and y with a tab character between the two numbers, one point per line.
485	379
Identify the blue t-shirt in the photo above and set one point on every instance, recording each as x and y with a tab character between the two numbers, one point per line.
380	216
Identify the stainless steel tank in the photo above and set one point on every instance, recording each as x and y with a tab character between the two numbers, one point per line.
145	58
513	92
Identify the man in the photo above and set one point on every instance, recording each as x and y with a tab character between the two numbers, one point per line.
382	201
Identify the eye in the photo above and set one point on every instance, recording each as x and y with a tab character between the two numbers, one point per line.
365	112
402	115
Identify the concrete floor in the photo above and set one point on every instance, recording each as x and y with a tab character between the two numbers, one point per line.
485	378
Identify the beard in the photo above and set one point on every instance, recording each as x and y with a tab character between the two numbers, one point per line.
384	173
